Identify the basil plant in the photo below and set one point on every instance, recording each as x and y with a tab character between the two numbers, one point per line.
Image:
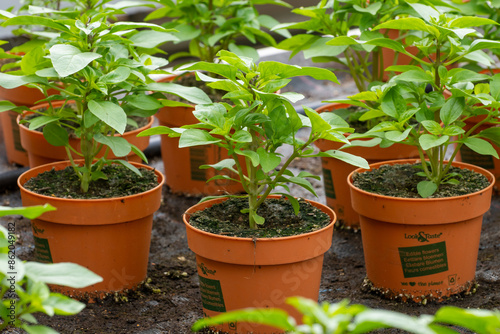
427	105
213	25
103	70
24	285
342	317
259	121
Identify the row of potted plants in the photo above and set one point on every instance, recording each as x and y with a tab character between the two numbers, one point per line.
104	69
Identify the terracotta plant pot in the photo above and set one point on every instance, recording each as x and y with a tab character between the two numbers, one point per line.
421	249
111	237
236	272
21	96
40	152
335	171
182	171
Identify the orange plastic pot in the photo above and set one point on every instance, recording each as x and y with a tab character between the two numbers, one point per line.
40	152
335	171
182	165
13	148
236	273
111	237
424	248
21	96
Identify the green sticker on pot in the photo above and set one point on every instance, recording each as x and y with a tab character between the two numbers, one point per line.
42	250
328	181
471	157
211	295
424	260
198	157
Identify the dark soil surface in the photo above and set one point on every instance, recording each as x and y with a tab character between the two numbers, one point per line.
169	302
116	181
401	180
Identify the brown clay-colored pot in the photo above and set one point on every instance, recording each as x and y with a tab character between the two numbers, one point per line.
20	96
111	237
335	171
424	248
40	152
236	273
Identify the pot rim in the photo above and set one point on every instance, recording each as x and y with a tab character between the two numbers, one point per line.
323	207
462	165
159	175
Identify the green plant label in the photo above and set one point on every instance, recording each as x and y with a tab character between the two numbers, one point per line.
471	157
328	181
424	260
42	250
16	136
211	295
198	157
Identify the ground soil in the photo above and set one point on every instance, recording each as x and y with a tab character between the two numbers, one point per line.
169	302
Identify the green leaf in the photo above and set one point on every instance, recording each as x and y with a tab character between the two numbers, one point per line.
68	59
426	188
63	305
407	23
492	133
144	102
428	13
480	44
191	94
393	104
33	61
418	76
346	157
242	136
160	130
150	39
118	75
253	156
303	183
433	127
397	136
10	81
268	160
272	317
372	8
119	145
195	137
223	164
480	146
38	329
387	43
477	321
24	20
270	68
55	134
30	212
110	113
258	219
452	110
428	141
40	121
470	21
65	274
